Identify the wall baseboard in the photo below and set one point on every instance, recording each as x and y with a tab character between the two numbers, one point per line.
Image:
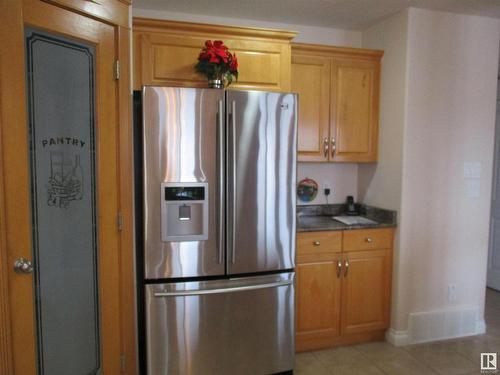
480	327
438	325
397	338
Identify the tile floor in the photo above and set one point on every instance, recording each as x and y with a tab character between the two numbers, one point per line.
451	357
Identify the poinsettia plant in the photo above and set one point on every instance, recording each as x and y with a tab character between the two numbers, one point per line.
216	62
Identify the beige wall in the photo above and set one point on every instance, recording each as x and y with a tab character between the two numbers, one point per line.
447	89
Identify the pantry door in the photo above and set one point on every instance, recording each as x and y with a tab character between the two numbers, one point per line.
60	198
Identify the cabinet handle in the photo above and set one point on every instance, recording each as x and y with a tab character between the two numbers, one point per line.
316	243
346	264
368	240
325	147
334	146
339	268
233	177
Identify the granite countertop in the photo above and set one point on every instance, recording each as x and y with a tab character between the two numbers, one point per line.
319	217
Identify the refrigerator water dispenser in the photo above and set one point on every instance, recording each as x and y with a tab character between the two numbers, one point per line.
184	211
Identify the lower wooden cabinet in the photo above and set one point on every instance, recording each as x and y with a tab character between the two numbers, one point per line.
318	281
366	288
342	296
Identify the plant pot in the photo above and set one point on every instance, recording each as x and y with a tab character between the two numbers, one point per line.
216	83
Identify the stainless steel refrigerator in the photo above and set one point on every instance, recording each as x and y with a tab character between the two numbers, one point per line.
219	171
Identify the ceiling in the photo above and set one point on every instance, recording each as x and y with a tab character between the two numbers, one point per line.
347	14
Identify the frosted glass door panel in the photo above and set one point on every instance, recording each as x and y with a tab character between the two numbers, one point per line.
61	99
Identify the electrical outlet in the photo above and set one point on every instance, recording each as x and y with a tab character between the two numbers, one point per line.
327	190
452	292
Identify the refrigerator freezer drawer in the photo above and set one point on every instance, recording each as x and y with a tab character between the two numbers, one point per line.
239	326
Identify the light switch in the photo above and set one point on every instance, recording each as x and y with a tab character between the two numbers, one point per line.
472	169
473	188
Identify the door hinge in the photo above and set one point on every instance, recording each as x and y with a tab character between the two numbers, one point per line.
117	69
119	221
122	362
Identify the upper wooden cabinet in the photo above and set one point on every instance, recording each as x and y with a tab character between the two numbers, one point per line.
338	102
311	80
165	53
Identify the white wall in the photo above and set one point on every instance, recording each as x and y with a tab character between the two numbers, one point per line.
452	71
380	184
307	34
449	83
342	178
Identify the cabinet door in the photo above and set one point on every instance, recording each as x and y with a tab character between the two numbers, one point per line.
318	303
168	58
354	109
311	80
366	291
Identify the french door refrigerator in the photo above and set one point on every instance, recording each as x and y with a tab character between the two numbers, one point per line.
219	172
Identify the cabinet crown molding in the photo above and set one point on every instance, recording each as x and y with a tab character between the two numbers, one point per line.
321	49
149	24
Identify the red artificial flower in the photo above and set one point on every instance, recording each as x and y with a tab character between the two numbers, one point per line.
213	56
220	50
204	55
213	51
219	44
234	64
216	62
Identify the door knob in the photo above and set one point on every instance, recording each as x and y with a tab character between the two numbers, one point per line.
23	265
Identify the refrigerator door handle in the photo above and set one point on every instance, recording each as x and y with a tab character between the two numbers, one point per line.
223	290
222	161
233	178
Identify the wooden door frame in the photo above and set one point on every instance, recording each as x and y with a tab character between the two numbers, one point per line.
12	113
